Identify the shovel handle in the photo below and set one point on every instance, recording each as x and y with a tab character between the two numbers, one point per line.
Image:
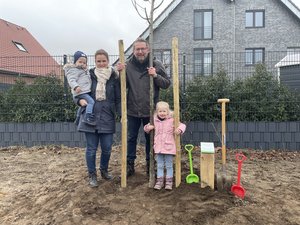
223	102
240	157
189	147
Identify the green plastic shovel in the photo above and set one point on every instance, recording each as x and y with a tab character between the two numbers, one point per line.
191	178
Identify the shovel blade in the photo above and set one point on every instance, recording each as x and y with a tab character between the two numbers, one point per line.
223	182
192	178
239	191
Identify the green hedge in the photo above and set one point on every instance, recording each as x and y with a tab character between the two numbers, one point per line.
43	101
257	98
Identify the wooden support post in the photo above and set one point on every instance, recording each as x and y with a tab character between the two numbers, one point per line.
207	170
124	117
176	110
207	165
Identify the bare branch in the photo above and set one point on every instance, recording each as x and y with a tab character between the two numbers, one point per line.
161	2
136	5
147	16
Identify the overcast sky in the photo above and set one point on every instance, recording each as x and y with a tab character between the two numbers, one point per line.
65	26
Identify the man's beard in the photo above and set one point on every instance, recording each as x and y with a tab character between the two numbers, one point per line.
141	59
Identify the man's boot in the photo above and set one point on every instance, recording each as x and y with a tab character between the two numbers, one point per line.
105	175
130	168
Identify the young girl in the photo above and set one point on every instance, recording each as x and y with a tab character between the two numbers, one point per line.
164	143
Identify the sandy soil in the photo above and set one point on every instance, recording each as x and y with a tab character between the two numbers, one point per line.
48	185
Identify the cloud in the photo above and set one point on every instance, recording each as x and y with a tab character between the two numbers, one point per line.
63	27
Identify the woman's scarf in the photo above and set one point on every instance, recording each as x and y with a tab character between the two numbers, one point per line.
103	75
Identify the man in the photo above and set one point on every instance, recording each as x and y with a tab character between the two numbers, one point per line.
138	75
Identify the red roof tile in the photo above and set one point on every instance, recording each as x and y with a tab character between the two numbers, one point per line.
34	61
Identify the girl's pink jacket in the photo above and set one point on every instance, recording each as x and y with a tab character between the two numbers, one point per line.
164	141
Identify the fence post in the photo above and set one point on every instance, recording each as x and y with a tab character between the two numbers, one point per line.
183	80
65	79
65	82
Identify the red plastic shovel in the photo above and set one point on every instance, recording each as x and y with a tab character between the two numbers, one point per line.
237	189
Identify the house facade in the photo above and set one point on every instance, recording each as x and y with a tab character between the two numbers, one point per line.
22	56
232	35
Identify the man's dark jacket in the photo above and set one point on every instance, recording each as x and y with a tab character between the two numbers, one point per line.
138	86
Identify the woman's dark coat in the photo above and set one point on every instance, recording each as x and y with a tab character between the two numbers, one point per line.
105	110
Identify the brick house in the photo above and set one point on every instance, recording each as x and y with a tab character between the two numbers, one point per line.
230	34
21	56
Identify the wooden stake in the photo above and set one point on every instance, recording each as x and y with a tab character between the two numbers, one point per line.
176	110
151	161
207	170
124	117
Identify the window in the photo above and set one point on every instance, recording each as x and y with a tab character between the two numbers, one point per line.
165	57
293	50
255	18
254	56
20	46
203	24
203	61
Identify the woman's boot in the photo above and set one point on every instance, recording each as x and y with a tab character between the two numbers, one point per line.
93	180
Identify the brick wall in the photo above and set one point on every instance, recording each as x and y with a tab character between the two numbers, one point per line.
256	135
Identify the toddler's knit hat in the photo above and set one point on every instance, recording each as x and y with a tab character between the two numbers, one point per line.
79	54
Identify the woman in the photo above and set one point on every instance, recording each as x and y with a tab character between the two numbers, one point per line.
105	90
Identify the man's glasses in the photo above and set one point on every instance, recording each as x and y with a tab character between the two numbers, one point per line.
140	49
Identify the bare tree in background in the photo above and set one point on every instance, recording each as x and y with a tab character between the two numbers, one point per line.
146	10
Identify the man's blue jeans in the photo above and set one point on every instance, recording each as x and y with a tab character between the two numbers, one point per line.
92	142
134	124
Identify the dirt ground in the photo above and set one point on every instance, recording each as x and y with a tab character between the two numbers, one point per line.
48	185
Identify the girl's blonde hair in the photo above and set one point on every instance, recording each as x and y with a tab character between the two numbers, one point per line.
164	105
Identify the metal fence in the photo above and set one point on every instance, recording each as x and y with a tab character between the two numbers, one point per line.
236	66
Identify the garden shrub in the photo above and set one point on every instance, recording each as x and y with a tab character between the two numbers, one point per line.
257	98
43	101
202	94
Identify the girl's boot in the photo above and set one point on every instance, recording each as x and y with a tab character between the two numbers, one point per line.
169	183
159	183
